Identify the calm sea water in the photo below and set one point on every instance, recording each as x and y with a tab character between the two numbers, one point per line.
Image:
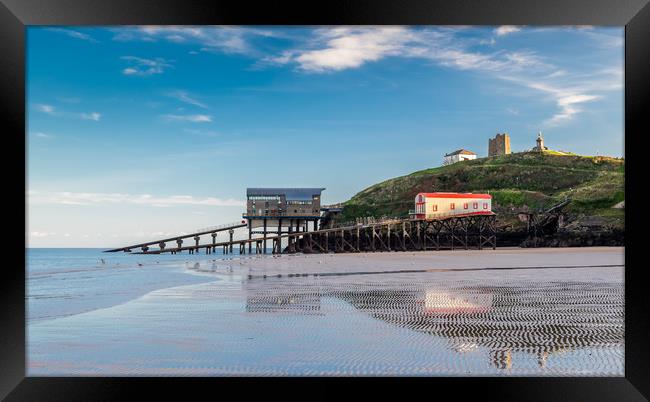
216	315
66	281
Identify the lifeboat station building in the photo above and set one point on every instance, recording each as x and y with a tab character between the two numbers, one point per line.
282	210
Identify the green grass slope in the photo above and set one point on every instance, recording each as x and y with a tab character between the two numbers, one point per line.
530	179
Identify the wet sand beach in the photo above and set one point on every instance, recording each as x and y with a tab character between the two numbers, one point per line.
493	312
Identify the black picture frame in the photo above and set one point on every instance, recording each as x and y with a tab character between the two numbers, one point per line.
15	15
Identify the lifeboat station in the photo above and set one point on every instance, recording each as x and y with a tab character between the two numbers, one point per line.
290	219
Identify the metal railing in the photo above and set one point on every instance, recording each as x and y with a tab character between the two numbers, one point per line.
371	220
332	206
368	220
219	227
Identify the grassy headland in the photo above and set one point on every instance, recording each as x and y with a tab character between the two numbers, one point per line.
522	180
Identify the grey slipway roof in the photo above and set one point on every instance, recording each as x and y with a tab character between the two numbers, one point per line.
298	194
462	152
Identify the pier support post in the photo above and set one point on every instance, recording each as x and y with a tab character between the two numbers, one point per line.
358	240
327	241
388	236
250	236
264	249
179	242
231	232
279	234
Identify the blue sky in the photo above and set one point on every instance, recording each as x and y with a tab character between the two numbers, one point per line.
136	132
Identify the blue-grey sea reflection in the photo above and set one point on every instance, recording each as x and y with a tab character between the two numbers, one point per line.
385	324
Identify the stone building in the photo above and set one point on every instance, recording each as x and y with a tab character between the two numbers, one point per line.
499	145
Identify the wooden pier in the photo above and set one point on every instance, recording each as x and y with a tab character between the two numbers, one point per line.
213	231
452	232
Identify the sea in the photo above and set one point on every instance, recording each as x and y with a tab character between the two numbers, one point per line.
91	313
66	281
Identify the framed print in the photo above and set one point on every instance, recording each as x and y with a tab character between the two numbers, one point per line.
231	192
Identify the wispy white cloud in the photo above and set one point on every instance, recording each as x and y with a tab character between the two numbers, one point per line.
89	199
41	234
506	29
490	41
225	39
74	34
43	135
49	109
351	47
143	67
567	99
335	49
91	116
184	96
341	48
194	118
52	111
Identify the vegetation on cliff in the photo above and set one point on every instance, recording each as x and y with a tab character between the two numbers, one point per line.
518	181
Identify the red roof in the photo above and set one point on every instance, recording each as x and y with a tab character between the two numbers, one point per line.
455	195
461	152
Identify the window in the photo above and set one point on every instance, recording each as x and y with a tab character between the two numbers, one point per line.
264	197
475	206
435	207
452	206
465	206
485	205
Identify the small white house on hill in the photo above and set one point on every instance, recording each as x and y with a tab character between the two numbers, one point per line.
459	155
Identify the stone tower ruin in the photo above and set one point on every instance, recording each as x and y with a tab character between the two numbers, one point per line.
499	145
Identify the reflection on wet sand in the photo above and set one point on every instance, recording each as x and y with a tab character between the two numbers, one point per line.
542	319
298	303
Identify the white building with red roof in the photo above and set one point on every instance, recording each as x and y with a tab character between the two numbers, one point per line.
458	156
